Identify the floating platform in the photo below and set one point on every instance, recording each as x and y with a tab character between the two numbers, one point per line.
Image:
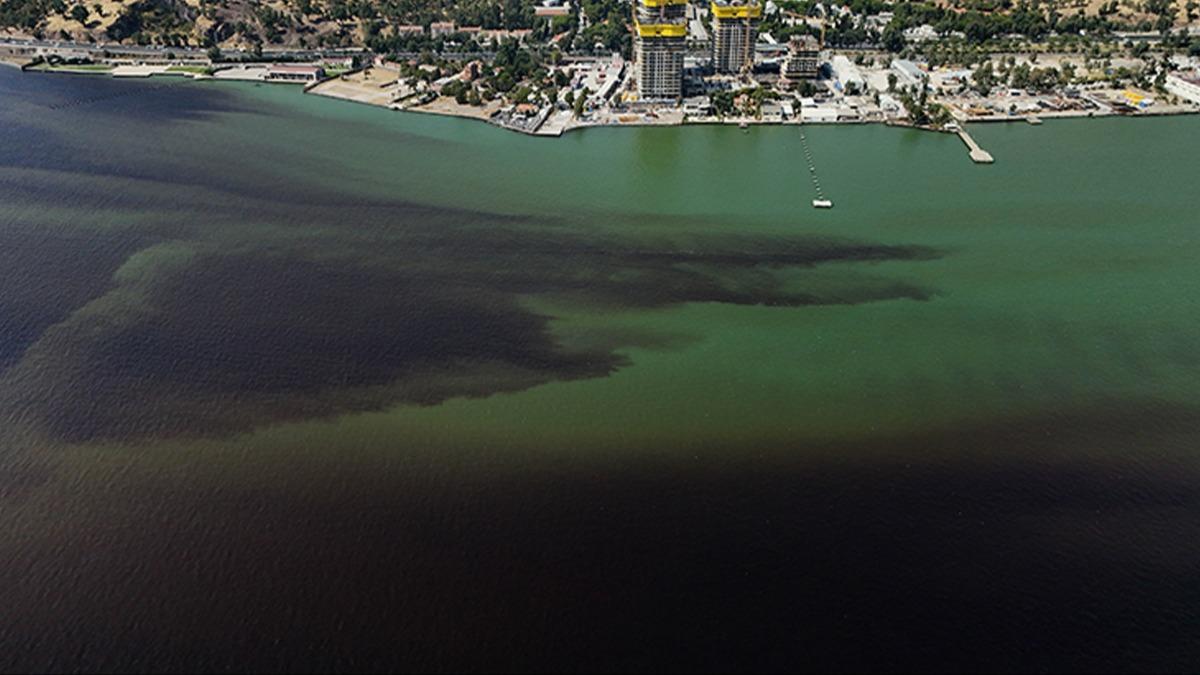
822	204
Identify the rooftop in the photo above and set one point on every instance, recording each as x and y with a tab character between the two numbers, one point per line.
1191	78
295	68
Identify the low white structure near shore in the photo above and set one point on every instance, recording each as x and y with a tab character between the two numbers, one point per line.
1185	86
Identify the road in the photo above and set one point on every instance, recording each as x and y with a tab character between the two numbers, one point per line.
161	52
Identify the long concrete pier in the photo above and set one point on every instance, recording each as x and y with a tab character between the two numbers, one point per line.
978	154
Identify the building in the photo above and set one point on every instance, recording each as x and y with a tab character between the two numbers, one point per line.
659	45
552	8
1185	86
772	112
697	106
500	34
922	33
804	59
847	75
734	32
819	114
442	28
295	73
908	73
471	71
697	38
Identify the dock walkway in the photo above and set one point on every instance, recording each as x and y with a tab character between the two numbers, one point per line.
978	154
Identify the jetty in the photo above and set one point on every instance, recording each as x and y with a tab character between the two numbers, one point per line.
978	154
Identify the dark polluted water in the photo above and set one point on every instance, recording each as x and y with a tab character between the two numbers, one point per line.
288	384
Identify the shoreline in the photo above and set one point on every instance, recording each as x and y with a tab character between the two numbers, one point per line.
480	114
800	123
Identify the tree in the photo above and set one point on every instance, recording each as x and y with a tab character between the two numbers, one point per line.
80	14
984	78
503	82
1067	75
580	101
521	95
1020	77
893	38
722	103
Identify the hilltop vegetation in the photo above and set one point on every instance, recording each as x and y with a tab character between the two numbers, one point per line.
388	25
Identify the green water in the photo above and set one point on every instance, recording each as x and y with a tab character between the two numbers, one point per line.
292	383
1069	276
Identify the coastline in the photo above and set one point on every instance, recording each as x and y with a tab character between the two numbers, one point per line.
445	107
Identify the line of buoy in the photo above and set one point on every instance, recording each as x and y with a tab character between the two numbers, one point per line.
820	202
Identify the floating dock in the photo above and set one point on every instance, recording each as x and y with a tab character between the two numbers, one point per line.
978	154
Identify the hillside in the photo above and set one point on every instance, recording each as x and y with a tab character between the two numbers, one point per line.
244	23
392	24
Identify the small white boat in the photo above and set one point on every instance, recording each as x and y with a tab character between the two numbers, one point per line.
743	126
822	204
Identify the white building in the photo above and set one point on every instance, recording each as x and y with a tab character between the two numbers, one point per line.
552	8
922	33
819	114
847	74
1185	85
295	73
909	73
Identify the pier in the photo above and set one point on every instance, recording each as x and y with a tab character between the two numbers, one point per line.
978	154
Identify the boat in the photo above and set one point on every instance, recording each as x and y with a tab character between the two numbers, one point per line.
822	204
743	126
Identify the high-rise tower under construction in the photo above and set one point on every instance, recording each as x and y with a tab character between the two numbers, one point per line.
660	40
734	32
